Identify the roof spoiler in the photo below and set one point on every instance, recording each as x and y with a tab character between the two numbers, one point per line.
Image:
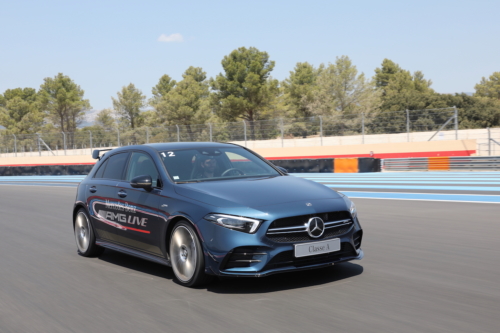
96	152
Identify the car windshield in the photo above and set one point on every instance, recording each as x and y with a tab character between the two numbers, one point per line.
204	164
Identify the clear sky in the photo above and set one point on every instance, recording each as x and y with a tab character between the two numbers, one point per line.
104	45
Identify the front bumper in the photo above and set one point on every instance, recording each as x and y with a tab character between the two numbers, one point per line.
359	256
222	244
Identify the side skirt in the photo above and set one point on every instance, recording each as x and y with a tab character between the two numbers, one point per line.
134	253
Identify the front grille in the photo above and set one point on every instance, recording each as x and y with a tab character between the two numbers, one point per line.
293	229
243	257
294	221
287	258
304	236
356	239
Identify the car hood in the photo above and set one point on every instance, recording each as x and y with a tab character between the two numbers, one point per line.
255	192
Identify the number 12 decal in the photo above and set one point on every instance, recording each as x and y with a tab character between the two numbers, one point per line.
170	154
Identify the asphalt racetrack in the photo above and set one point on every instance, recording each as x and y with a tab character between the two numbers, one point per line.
432	264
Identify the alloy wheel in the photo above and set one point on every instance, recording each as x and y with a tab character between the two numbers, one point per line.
183	253
82	232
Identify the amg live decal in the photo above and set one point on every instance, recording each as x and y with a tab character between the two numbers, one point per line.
123	218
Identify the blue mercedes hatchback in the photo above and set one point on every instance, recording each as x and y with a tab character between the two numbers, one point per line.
211	209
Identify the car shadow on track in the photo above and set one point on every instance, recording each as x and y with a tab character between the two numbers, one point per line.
286	281
273	283
137	264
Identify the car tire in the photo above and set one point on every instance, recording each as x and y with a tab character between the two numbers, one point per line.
84	235
186	256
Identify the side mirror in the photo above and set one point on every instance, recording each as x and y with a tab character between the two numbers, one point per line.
282	169
143	181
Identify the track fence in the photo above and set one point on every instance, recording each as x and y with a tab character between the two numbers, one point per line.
360	128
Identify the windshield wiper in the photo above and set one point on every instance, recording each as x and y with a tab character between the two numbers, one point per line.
188	182
226	178
239	177
263	176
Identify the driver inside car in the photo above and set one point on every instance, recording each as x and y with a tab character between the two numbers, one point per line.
208	166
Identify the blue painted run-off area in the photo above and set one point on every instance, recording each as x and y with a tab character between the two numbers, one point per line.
403	183
425	196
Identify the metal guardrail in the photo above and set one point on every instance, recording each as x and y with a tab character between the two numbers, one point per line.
404	164
445	163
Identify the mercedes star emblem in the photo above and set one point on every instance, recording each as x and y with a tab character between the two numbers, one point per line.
315	227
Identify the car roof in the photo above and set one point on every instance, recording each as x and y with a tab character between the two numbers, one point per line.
187	145
173	146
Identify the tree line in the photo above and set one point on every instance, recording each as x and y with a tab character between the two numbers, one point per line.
245	90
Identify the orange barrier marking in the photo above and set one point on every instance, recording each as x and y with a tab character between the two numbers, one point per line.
345	165
438	163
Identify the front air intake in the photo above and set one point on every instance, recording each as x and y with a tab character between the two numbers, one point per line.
243	257
356	239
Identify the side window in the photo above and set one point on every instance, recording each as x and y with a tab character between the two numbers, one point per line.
142	164
100	171
115	166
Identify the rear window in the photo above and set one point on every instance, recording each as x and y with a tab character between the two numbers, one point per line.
115	166
101	169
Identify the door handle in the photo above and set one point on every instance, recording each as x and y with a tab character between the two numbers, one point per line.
93	189
122	194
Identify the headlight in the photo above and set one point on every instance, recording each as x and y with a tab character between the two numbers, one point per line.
350	205
239	223
352	210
